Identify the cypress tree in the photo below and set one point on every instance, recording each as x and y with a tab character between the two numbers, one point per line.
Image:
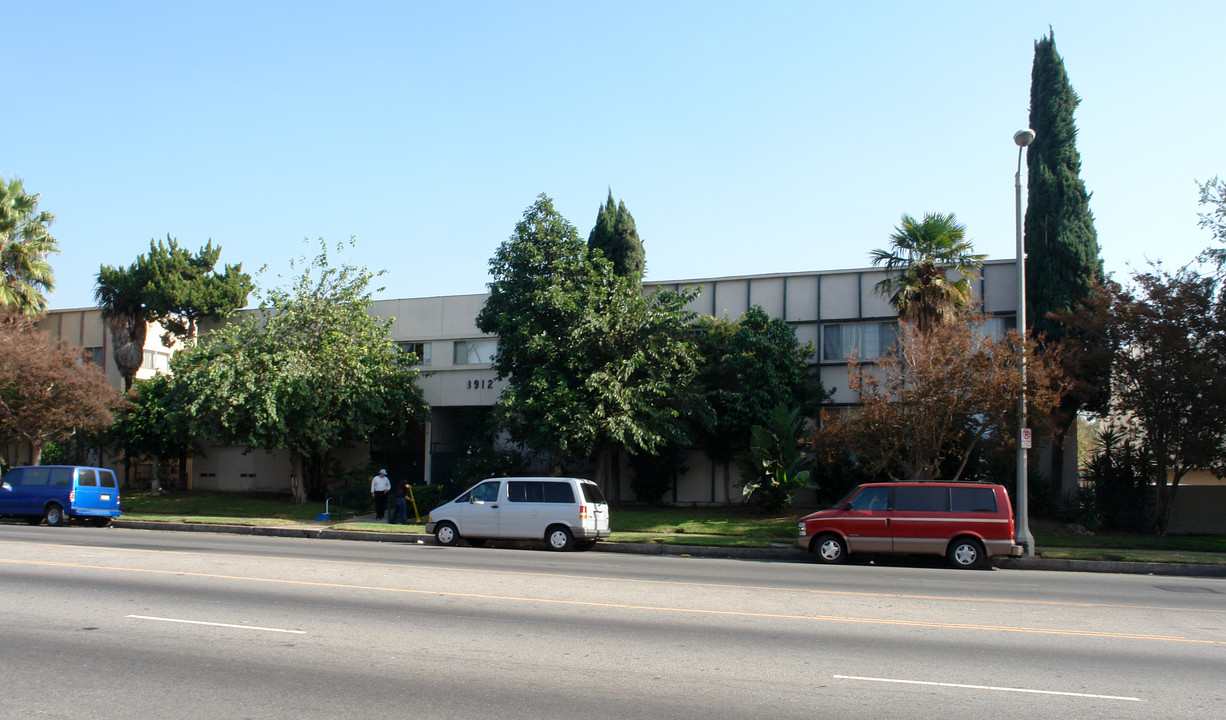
617	239
1062	254
1064	272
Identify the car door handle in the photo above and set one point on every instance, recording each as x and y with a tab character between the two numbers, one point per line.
494	506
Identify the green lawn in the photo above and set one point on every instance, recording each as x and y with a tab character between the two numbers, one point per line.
714	526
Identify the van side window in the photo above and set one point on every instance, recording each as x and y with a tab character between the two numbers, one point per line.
921	499
108	479
61	476
973	499
874	498
558	492
486	492
36	476
524	491
86	478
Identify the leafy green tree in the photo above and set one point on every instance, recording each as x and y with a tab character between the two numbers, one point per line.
615	236
1063	266
309	372
155	424
775	466
593	367
748	367
25	244
1170	377
48	393
921	254
183	288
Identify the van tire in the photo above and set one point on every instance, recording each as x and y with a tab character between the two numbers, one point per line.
54	515
446	534
966	553
830	549
559	537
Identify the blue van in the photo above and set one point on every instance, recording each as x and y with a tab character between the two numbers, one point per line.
58	493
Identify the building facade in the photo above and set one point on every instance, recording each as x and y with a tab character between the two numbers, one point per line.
838	312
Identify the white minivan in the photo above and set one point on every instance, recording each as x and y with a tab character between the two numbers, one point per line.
564	512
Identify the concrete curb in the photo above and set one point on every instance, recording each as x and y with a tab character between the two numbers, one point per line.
736	553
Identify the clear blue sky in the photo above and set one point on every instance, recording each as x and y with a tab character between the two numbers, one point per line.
744	137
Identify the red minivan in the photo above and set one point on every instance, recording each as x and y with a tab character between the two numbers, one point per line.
966	522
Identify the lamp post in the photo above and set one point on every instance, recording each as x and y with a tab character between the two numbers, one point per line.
1024	538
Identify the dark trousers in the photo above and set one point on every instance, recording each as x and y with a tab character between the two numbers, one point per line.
380	503
400	511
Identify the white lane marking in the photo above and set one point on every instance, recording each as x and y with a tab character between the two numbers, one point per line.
988	687
213	624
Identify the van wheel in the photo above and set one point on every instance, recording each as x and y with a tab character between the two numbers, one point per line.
559	538
446	534
54	515
830	549
100	521
966	553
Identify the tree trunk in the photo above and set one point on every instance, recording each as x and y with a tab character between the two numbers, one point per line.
298	470
128	346
1056	468
155	484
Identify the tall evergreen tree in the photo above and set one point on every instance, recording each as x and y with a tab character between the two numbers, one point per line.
616	237
1062	253
1063	266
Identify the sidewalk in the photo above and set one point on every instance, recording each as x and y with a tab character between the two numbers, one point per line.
332	532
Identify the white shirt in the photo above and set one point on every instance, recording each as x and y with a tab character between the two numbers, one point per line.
380	482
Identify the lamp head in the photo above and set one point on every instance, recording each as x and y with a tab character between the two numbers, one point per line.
1023	137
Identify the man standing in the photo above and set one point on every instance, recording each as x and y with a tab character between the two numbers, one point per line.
400	508
379	487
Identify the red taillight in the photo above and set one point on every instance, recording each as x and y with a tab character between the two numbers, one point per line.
72	495
583	512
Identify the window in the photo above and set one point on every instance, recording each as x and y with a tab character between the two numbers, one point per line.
972	499
535	491
108	479
486	492
155	361
592	494
997	326
474	352
865	340
96	355
874	498
86	478
921	499
420	349
35	476
61	476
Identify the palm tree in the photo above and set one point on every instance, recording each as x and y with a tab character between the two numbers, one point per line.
25	243
922	253
119	293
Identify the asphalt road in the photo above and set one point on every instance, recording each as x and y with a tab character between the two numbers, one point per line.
136	624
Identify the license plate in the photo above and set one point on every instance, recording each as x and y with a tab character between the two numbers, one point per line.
106	498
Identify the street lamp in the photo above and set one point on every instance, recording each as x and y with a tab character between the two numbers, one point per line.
1024	538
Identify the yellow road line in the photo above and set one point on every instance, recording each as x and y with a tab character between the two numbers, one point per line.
626	606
